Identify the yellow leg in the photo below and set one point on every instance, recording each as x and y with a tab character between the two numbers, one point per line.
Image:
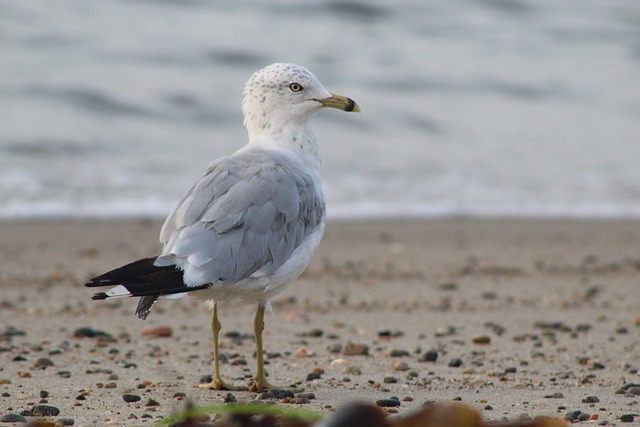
217	383
260	382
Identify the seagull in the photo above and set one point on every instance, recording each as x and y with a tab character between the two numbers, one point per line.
250	225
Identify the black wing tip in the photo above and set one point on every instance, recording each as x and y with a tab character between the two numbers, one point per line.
96	282
99	296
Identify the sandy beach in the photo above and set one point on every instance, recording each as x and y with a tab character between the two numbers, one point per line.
524	318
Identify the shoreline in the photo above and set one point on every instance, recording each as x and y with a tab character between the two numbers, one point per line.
531	307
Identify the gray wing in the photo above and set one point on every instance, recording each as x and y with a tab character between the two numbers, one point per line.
249	212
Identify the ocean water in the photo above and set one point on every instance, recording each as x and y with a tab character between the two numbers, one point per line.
113	108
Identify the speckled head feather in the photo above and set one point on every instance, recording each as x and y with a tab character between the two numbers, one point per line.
280	95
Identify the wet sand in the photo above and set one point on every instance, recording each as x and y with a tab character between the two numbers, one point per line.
535	317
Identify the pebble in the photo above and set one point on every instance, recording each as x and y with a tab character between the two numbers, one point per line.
591	399
313	333
313	376
355	349
397	352
43	362
87	332
335	348
10	331
152	402
400	366
627	418
445	331
44	394
306	394
455	363
351	370
46	411
357	414
387	403
157	331
481	339
572	415
13	418
633	390
556	395
129	398
338	362
66	421
429	356
303	352
390	380
281	393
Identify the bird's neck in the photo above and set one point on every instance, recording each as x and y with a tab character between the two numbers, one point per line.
296	138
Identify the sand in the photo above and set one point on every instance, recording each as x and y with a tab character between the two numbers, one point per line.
543	315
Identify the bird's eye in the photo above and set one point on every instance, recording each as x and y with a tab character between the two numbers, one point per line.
295	87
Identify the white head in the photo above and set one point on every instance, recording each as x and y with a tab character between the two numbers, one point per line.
282	97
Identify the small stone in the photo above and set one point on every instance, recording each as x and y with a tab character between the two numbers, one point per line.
397	352
482	339
66	421
591	399
556	395
46	411
157	331
43	362
152	402
10	331
19	358
87	332
130	398
388	403
303	352
64	374
338	362
390	380
313	333
281	393
351	370
445	331
488	408
429	356
13	418
300	401
511	370
400	366
309	395
313	376
633	390
583	417
44	394
455	363
627	418
265	395
335	348
355	349
449	286
572	415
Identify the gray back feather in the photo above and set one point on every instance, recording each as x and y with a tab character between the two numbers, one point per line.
248	212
